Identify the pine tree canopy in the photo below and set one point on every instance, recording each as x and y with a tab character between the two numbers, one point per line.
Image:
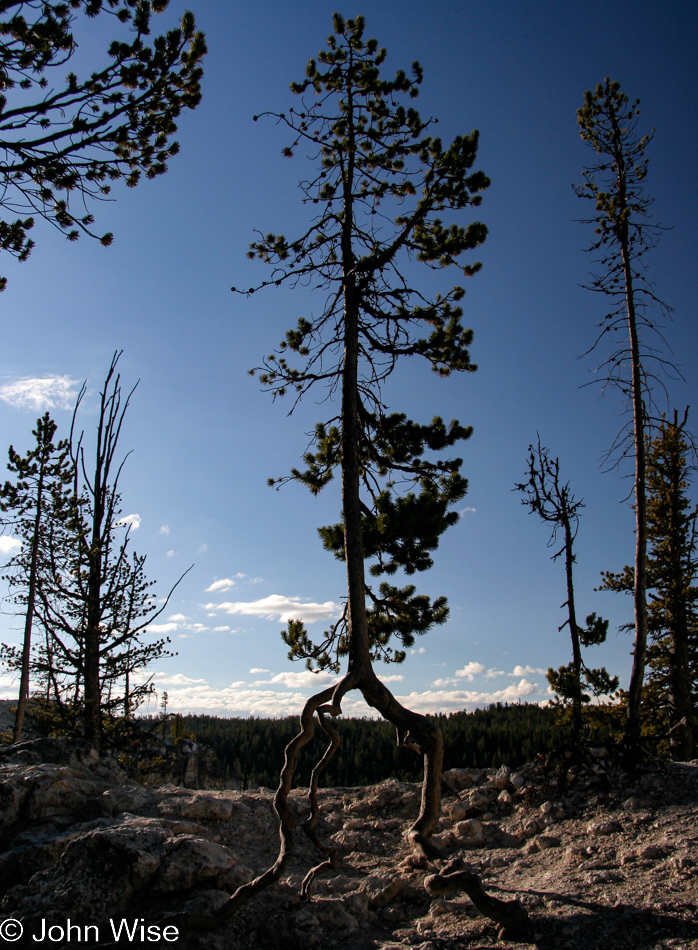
380	188
66	138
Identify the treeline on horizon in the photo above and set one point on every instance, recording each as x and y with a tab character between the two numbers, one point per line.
252	750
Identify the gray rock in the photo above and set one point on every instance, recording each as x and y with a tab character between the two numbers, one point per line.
462	778
96	876
602	828
190	861
471	833
501	779
439	907
130	798
381	889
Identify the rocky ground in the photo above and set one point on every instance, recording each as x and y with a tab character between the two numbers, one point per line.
600	859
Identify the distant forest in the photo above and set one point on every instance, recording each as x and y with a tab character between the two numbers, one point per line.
252	750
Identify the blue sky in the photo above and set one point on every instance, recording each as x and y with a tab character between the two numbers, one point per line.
205	439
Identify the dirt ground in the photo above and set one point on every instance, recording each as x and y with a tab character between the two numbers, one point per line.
601	860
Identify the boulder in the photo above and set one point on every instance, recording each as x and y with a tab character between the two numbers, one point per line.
96	876
190	861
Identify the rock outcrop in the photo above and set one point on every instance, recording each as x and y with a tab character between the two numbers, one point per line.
598	859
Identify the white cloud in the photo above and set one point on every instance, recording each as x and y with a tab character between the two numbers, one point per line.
448	681
8	544
165	529
492	673
444	701
178	618
393	678
170	554
162	627
225	583
527	671
241	699
221	629
134	521
302	678
176	679
470	671
278	607
258	669
41	393
202	548
9	683
467	511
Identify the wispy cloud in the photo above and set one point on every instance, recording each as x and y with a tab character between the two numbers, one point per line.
133	521
467	511
278	607
41	393
164	529
175	679
176	622
225	583
258	669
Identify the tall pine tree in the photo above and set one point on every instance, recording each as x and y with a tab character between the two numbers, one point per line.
381	188
671	691
616	185
39	493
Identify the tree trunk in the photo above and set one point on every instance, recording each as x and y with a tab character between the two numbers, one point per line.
632	726
29	619
631	737
574	633
91	679
680	707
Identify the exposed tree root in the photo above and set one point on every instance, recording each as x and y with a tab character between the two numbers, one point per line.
510	915
414	731
310	823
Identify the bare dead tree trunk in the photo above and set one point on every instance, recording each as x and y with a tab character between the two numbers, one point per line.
574	631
